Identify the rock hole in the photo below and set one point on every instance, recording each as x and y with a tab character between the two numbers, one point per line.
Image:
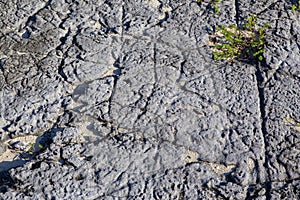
88	158
26	34
36	165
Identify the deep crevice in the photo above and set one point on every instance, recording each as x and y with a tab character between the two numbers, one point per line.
262	108
6	182
63	41
61	71
237	13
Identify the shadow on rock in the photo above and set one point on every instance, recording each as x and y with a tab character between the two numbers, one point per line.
22	157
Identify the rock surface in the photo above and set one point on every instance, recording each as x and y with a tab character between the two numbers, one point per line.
122	100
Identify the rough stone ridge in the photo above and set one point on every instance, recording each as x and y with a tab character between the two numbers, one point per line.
122	99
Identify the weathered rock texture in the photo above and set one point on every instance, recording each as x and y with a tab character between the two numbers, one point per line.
122	100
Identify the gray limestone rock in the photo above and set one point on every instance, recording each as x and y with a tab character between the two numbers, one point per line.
123	100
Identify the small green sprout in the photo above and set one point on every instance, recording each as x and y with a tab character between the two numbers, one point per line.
240	43
216	9
32	149
296	7
213	4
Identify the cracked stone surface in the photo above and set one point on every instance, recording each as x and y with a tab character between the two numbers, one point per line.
122	99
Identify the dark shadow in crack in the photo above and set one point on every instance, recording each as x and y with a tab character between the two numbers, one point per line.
6	182
41	144
7	165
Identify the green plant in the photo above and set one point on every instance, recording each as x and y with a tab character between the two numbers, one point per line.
213	3
32	149
246	42
296	7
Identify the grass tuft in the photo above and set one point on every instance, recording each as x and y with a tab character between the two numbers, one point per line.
296	6
242	43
